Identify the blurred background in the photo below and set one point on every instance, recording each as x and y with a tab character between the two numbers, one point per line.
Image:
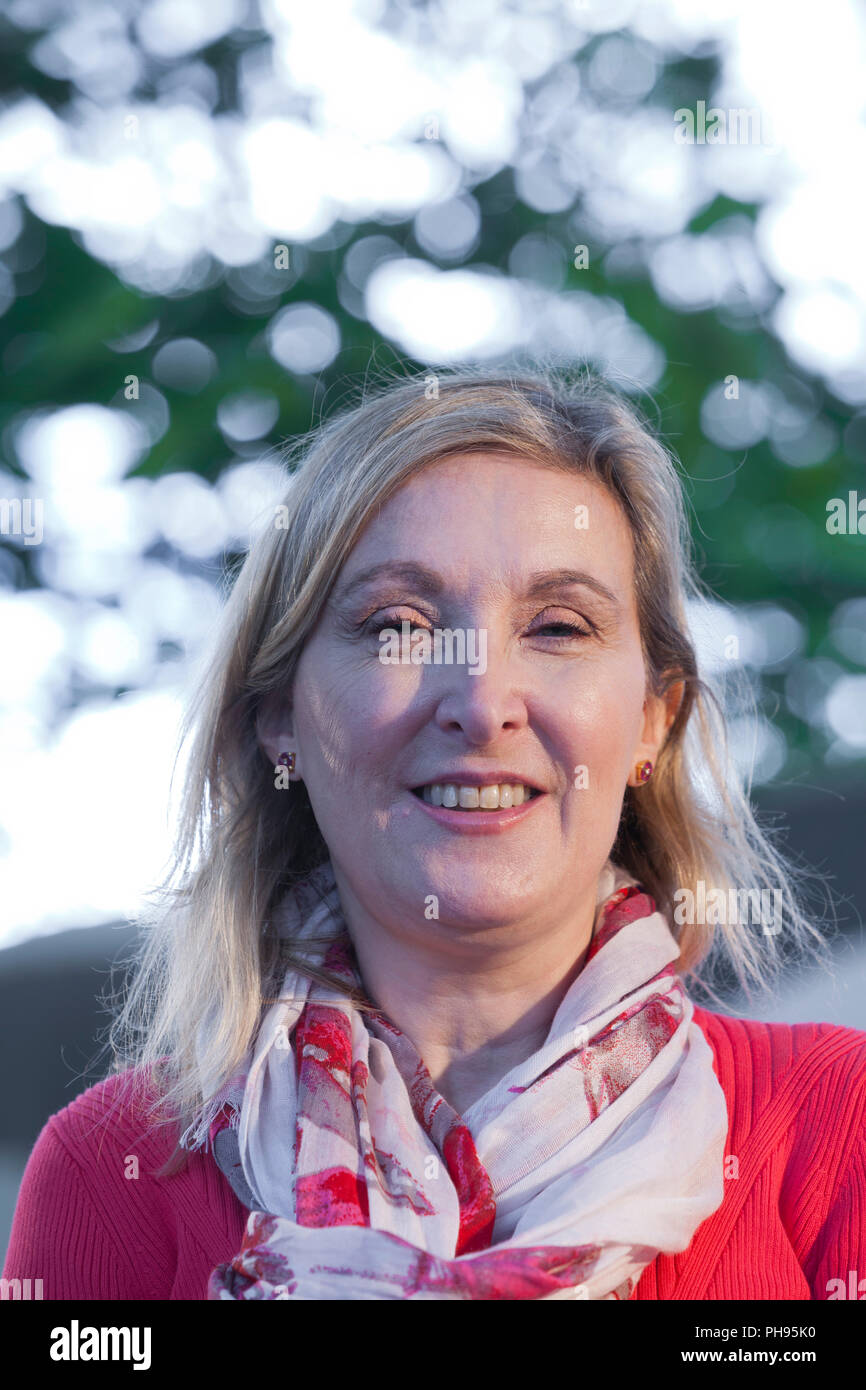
218	216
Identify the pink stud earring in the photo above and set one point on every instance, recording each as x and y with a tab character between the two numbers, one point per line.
286	760
644	771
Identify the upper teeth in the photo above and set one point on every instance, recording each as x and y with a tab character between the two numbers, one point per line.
490	798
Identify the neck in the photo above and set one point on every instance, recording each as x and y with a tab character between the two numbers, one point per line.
474	1004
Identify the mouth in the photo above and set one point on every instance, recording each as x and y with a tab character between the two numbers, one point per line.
495	797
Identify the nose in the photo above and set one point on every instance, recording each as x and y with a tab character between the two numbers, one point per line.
481	705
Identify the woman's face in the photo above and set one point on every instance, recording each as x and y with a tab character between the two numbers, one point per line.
551	694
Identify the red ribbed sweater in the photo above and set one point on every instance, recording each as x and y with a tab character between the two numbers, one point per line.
793	1217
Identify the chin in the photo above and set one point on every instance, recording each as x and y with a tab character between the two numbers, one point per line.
479	904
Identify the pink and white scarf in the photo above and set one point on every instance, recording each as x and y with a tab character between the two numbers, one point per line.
564	1180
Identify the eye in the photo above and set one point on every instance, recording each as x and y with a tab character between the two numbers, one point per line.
562	630
565	631
393	618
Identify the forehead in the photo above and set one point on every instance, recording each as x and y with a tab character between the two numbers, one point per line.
504	515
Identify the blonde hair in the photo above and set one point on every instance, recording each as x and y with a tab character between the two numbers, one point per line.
209	958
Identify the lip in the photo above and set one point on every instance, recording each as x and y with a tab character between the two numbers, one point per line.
492	777
479	822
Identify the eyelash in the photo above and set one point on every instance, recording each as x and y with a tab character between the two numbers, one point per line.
372	627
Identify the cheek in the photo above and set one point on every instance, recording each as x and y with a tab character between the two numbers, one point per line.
350	718
605	715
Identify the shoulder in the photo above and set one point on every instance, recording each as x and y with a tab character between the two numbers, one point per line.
802	1069
102	1155
96	1216
121	1145
782	1045
103	1161
89	1221
112	1116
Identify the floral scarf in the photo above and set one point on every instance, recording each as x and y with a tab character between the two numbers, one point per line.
564	1180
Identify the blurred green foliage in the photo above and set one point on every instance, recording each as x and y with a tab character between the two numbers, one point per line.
69	306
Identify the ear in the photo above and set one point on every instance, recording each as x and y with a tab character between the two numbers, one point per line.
275	727
660	711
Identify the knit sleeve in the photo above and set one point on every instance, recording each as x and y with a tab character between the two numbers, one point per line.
836	1268
70	1232
835	1263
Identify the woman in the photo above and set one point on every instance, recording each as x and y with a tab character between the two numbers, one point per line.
417	1013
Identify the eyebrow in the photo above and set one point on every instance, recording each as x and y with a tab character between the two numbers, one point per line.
427	581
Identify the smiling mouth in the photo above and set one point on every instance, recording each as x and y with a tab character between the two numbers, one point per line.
495	797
